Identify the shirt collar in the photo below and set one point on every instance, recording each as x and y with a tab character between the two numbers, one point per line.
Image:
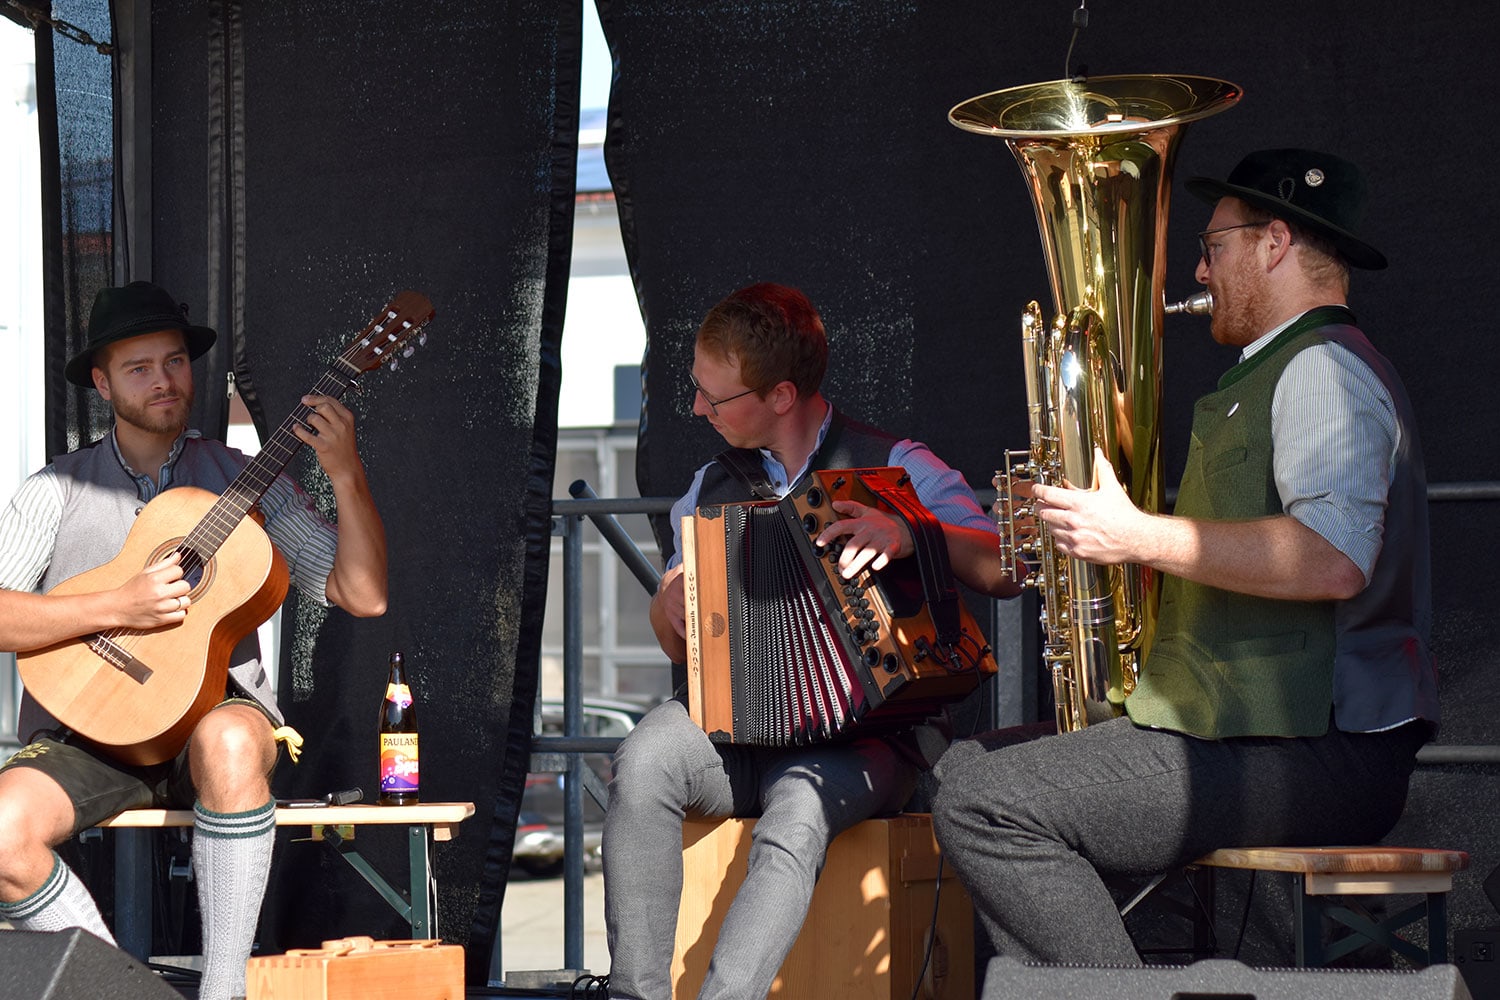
778	472
144	485
1266	338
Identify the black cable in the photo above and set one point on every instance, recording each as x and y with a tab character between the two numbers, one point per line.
937	895
593	988
1213	931
1080	21
1244	915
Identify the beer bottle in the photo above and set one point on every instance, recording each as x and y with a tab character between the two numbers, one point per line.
398	740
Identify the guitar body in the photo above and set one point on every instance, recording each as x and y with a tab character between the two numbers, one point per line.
149	721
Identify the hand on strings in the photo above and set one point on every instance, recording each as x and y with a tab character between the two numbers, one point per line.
156	596
1098	525
328	429
871	538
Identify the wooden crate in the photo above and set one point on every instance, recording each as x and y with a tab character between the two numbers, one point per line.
359	968
867	929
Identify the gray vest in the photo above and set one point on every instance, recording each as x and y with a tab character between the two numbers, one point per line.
1384	671
100	503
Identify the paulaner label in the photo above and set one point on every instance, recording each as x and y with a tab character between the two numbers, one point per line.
398	763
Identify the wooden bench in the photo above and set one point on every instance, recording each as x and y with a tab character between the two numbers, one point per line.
1323	872
333	825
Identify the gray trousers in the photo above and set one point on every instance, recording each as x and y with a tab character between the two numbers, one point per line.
666	769
1031	827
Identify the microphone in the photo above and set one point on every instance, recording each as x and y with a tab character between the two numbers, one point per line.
1201	304
344	797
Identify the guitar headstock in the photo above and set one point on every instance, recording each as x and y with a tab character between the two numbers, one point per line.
396	329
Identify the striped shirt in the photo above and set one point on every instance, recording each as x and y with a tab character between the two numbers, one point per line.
941	489
29	524
1335	434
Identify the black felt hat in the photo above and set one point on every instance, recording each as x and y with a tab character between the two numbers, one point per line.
139	307
1318	191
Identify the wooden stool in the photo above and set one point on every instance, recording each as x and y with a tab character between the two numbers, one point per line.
867	929
1357	871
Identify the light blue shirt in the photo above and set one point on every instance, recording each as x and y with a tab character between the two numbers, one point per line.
1336	439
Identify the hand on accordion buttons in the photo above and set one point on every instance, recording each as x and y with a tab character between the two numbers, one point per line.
871	538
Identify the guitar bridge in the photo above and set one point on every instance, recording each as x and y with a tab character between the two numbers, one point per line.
121	659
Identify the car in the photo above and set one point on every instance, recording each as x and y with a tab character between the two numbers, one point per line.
539	848
539	825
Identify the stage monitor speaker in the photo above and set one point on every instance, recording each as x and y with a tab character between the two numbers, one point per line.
1215	979
72	965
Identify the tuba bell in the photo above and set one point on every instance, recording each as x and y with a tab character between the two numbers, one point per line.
1097	156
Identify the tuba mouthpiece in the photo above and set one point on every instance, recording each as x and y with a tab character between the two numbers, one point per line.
1201	304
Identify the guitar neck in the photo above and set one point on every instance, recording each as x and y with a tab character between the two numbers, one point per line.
251	484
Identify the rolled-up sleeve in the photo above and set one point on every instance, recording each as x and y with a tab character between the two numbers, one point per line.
940	487
1335	433
306	541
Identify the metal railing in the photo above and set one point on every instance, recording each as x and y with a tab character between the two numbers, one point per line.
564	754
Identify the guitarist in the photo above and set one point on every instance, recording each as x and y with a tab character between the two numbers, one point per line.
74	515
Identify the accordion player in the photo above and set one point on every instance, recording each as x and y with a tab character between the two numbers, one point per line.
782	651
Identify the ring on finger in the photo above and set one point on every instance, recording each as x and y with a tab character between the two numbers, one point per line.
181	602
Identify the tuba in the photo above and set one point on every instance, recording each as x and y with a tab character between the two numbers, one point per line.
1097	156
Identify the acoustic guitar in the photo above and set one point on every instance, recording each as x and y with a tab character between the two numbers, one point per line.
137	695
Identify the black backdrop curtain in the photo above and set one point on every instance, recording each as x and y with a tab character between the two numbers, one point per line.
78	199
351	151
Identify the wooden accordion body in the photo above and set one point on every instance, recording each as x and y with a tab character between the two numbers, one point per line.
782	651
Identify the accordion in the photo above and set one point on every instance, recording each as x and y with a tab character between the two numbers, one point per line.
782	651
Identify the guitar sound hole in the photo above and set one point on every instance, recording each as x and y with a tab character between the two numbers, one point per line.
196	571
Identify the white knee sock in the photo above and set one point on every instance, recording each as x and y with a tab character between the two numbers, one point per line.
62	901
232	858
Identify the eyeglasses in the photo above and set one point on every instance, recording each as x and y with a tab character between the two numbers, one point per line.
1203	248
714	404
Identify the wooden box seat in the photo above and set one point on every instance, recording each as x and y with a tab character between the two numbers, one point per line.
878	927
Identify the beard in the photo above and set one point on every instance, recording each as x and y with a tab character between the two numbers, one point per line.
1239	315
156	421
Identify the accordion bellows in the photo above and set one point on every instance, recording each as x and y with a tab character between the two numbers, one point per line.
784	652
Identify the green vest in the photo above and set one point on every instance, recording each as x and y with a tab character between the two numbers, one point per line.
1226	664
